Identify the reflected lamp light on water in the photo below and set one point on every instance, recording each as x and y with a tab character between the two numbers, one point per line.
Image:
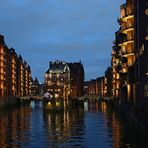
32	104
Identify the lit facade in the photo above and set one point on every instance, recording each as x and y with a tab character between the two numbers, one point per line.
57	80
92	89
12	78
13	74
64	80
96	87
26	79
115	71
101	86
123	55
126	43
20	75
130	52
2	46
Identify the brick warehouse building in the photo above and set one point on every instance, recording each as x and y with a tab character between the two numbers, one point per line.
15	73
64	80
130	52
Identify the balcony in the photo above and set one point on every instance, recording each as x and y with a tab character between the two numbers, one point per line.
128	16
127	29
125	17
126	41
128	53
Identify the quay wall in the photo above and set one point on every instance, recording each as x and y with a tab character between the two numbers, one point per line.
133	114
8	101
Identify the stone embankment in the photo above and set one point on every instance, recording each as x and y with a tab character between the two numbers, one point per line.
8	101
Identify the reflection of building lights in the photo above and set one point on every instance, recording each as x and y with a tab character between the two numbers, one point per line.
49	103
32	104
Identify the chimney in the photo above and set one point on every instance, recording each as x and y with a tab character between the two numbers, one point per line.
50	64
2	39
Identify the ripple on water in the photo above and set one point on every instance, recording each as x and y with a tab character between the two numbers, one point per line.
32	128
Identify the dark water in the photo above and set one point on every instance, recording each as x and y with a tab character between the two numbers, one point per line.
94	126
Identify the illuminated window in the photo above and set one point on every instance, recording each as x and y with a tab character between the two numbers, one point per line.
117	75
146	90
1	57
1	77
1	50
1	70
1	64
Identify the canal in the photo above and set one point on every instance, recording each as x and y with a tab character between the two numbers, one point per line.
92	126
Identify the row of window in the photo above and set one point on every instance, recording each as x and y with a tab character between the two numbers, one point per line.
146	90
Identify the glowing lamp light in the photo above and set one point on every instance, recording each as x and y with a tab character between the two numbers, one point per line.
56	95
146	12
57	103
146	38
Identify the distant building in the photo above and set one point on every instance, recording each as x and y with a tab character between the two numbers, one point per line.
64	80
27	79
57	79
100	86
86	88
36	87
96	87
108	82
13	73
20	75
2	66
76	79
92	89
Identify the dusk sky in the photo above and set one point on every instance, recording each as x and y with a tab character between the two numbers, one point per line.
69	30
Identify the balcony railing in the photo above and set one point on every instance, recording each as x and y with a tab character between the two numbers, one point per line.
125	17
127	53
125	41
125	29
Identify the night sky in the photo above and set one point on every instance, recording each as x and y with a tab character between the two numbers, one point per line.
69	30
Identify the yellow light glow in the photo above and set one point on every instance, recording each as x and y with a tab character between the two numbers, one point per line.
57	103
146	38
56	95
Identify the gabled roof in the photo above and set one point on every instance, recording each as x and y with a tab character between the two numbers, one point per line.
58	67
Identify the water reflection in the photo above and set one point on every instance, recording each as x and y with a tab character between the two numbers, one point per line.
65	128
95	125
14	127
